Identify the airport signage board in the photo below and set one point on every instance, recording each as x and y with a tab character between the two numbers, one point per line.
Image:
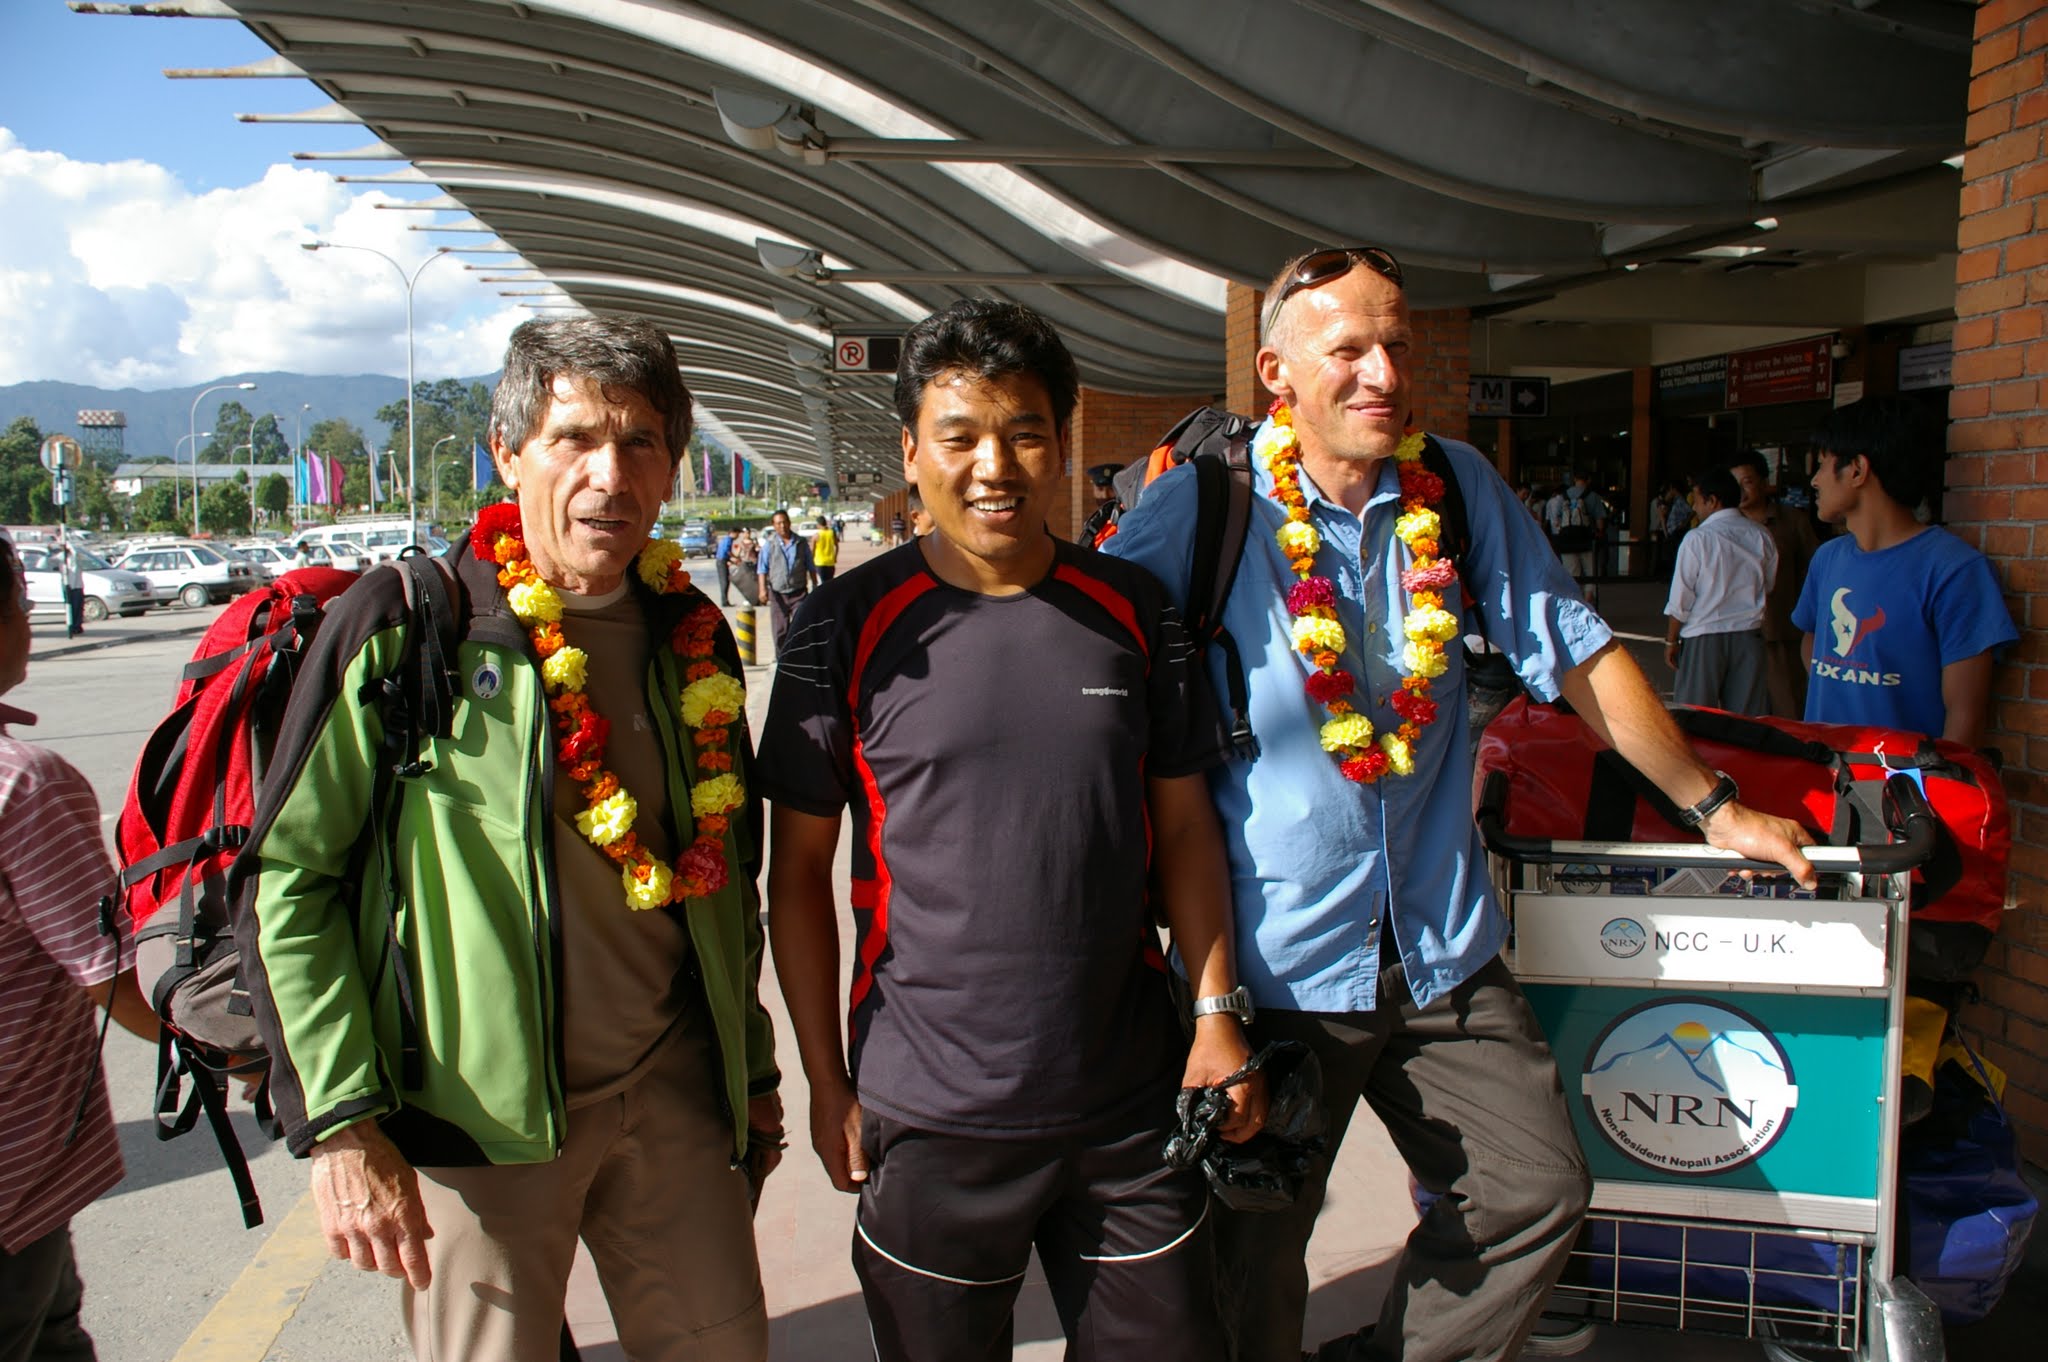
1706	374
1925	366
866	354
1799	371
1501	395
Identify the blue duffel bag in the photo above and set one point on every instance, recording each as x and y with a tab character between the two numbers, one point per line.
1968	1212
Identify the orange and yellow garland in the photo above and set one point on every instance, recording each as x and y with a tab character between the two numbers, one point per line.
712	701
1312	602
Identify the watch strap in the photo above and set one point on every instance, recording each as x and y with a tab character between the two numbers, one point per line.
1724	791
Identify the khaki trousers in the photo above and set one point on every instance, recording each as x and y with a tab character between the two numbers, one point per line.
645	1178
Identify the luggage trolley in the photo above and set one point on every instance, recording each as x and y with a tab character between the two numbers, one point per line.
1730	1050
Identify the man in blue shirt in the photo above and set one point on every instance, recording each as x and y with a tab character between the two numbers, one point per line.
1366	926
785	573
722	555
1901	619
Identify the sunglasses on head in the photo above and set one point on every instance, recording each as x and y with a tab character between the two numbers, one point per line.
1320	267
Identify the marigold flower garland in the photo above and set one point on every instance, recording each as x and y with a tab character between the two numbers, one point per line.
1312	602
712	701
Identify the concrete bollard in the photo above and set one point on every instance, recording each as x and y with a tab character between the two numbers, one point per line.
743	632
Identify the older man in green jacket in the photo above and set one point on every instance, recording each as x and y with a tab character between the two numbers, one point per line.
510	992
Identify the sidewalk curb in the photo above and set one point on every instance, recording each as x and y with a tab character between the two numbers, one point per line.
116	642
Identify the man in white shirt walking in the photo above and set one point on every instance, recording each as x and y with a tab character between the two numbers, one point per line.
1716	607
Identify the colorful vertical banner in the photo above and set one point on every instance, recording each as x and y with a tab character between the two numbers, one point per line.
335	481
301	477
482	472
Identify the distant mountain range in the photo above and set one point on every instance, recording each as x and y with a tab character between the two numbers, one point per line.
157	418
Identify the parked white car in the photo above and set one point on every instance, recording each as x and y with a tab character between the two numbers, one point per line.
190	572
108	590
267	556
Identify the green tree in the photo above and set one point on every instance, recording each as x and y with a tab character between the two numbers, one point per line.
271	446
339	438
224	508
24	483
92	500
446	407
156	510
273	496
231	422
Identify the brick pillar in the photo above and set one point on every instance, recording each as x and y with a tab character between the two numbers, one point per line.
1997	479
1242	391
1442	361
1115	428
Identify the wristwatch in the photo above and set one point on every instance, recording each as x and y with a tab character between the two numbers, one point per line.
1722	793
1237	1002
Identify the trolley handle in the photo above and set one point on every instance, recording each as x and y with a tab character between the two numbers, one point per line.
1913	824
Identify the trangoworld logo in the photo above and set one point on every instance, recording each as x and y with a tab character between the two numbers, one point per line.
1847	630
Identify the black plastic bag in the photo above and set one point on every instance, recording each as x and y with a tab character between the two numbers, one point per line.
1266	1172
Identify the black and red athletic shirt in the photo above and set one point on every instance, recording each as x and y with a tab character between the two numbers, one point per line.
994	750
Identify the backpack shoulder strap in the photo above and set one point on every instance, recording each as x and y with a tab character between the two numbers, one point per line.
1456	517
1223	517
432	600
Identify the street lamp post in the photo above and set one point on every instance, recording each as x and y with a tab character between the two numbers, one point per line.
434	473
412	504
192	426
249	477
177	487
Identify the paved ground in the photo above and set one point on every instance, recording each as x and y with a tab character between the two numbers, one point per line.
172	1277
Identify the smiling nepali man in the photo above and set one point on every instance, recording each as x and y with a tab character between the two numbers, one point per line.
1006	714
574	939
1365	924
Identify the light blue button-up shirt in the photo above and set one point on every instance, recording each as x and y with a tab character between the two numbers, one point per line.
1316	860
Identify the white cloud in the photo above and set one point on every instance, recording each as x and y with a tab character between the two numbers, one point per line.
115	274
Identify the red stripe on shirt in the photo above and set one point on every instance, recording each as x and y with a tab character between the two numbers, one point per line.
874	891
876	937
1110	599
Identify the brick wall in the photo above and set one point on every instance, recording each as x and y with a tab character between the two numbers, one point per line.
1116	428
1242	391
1997	479
1443	371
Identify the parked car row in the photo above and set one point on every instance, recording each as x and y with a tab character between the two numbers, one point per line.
127	578
109	590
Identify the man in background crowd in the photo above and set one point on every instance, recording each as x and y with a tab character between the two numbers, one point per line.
1901	620
1577	519
1715	611
825	549
722	558
785	574
1792	531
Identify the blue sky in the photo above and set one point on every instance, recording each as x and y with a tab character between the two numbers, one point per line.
112	102
153	240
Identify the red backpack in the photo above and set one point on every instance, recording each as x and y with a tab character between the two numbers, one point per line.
190	808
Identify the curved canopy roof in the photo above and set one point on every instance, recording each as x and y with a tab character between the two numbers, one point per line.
758	175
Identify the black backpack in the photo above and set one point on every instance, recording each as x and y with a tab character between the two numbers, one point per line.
1218	443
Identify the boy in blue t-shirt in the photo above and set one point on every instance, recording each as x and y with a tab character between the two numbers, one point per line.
1901	619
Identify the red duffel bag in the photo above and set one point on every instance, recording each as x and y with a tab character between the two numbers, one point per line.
1564	783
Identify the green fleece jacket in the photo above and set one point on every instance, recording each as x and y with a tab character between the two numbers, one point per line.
441	1015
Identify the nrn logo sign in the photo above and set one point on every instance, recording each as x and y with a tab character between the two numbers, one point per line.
1689	1086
